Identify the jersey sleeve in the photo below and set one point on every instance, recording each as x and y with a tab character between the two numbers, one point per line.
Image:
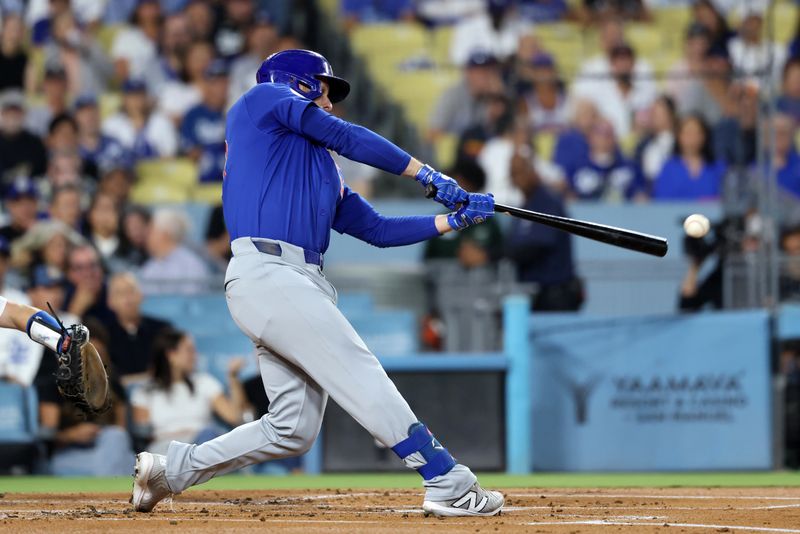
356	217
207	386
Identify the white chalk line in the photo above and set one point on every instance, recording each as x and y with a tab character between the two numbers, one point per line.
668	524
640	496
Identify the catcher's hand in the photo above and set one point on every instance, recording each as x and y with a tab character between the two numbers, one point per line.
81	375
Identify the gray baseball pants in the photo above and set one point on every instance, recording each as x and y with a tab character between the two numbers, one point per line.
307	350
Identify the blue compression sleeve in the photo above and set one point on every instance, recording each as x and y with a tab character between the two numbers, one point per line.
352	141
356	217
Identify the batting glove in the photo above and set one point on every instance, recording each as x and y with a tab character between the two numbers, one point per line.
440	187
477	209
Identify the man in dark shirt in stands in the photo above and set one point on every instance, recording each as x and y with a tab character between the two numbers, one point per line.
20	203
132	334
543	255
21	152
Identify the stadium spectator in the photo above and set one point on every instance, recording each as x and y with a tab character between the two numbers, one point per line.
355	12
659	144
45	243
13	56
102	226
134	47
21	200
443	12
496	119
458	106
201	20
572	145
22	153
751	55
132	333
42	21
54	89
543	255
218	241
622	9
231	33
605	174
616	81
543	11
735	134
86	446
179	403
545	102
789	99
705	12
172	267
709	96
65	206
476	246
691	173
174	40
86	292
87	67
203	126
141	130
691	67
622	95
116	180
495	159
785	159
178	95
63	168
789	280
19	358
62	134
495	30
97	150
262	40
135	227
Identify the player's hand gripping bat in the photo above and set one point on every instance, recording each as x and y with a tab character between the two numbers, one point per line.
619	237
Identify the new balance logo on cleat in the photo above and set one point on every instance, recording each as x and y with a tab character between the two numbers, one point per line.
469	499
475	502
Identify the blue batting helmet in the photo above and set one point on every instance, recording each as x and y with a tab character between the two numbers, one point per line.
304	71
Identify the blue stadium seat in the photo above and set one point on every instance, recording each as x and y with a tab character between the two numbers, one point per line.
18	427
197	314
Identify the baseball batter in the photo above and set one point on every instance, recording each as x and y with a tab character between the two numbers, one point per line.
282	194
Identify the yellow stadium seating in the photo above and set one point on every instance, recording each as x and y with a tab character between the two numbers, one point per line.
159	193
207	193
106	34
545	143
445	151
109	103
180	172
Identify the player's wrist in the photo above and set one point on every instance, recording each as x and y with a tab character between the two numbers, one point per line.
424	174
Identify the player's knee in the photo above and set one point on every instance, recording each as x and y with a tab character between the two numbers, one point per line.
297	439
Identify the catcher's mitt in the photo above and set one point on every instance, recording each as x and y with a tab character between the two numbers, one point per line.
81	375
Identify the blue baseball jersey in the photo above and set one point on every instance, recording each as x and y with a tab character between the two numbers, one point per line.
280	182
676	183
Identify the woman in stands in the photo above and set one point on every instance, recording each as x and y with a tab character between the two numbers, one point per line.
691	173
179	403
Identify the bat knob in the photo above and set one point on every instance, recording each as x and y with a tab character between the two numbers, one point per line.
430	191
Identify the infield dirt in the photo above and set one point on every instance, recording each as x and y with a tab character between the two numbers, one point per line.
528	510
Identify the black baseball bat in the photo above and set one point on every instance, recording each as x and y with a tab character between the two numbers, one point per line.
619	237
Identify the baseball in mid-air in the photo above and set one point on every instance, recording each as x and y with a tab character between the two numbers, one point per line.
696	225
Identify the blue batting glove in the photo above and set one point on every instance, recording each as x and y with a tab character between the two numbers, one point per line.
477	209
446	190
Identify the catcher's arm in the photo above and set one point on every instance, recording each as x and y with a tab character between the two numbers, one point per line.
81	375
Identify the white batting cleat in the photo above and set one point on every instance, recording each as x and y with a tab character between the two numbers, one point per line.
149	481
475	502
